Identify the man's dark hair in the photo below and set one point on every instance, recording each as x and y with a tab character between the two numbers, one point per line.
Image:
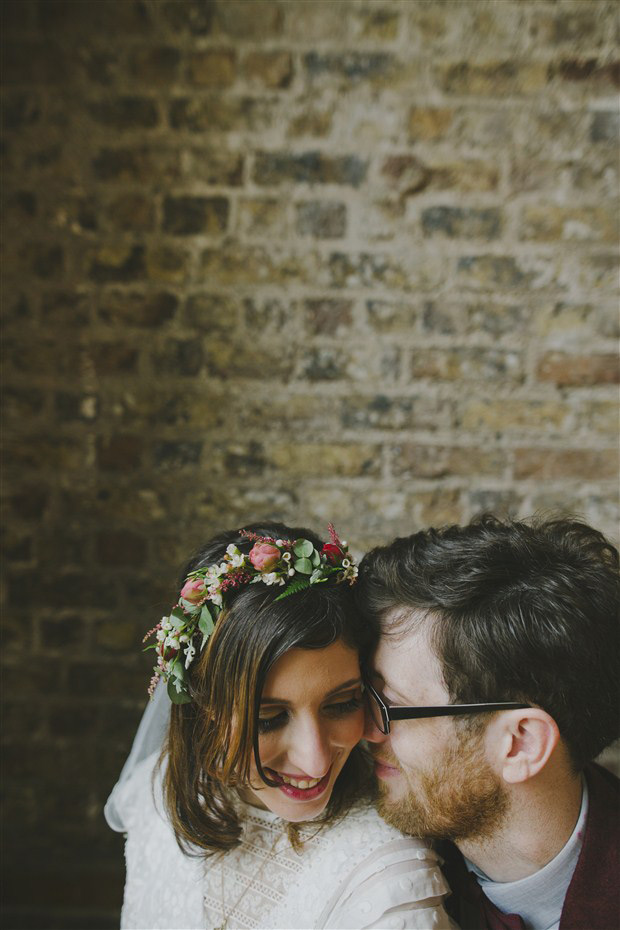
519	611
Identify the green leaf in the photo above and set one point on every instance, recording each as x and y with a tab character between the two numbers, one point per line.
152	646
178	670
303	548
304	566
177	697
188	606
205	623
316	559
179	614
298	585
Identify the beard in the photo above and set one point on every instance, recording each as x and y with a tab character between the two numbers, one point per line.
461	798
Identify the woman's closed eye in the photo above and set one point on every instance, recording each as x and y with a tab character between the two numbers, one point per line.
333	709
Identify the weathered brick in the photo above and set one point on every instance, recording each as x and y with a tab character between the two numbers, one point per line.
131	212
429	123
269	314
211	313
149	309
169	264
121	548
581	24
394	413
502	503
218	114
366	269
334	460
271	69
229	358
494	78
273	168
260	216
214	67
36	62
457	364
388	316
505	415
71	407
42	259
381	24
481	317
130	112
493	271
137	164
316	21
119	452
116	263
572	324
548	223
30	502
257	20
436	508
578	370
605	127
181	357
462	222
251	265
116	17
243	460
36	453
354	66
408	175
187	215
215	166
541	464
328	316
413	460
586	69
156	65
321	219
172	454
112	358
22	403
193	16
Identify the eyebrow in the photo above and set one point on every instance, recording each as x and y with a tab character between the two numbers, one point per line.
351	683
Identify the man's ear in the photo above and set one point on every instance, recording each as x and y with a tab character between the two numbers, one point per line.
524	741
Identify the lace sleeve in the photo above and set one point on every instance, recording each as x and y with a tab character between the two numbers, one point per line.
398	886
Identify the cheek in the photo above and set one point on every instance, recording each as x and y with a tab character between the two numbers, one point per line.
349	731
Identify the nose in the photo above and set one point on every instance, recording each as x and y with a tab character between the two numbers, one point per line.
311	749
372	733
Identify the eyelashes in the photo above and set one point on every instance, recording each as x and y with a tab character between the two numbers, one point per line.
335	711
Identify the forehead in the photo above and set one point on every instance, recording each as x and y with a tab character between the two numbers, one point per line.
303	672
407	662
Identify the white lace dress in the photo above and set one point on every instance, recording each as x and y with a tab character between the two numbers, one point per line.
357	873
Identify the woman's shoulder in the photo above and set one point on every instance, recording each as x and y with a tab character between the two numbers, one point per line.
140	795
359	868
363	828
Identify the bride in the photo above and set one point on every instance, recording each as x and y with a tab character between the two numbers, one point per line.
257	810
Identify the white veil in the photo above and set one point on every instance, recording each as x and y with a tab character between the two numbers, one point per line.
149	737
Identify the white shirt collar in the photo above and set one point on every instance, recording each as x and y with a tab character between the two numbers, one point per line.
539	898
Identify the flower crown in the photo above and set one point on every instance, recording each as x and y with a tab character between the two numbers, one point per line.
295	564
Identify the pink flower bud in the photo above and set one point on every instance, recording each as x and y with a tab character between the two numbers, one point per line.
193	590
264	556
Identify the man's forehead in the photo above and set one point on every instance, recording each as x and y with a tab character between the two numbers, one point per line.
405	657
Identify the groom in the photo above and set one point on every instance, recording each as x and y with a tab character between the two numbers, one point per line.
520	620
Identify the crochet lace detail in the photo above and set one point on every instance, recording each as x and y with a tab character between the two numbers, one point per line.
358	872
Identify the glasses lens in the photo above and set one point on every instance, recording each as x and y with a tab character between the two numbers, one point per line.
375	710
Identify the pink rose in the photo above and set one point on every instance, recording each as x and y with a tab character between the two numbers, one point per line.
264	556
334	553
193	590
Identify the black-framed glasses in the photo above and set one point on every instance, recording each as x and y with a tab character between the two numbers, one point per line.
383	713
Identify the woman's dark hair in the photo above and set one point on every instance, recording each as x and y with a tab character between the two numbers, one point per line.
209	748
523	612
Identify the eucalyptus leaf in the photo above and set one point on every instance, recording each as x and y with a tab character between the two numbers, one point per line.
188	606
178	670
304	566
178	613
205	623
303	548
177	697
316	559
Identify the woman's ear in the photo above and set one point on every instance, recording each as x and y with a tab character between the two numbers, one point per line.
523	743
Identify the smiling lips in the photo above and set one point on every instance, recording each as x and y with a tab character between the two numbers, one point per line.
301	789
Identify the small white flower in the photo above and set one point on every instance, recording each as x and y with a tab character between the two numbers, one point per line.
287	556
344	542
232	550
279	543
237	560
216	599
346	563
160	635
190	652
171	642
270	577
183	638
291	572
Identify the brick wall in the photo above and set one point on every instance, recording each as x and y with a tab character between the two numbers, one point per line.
345	260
